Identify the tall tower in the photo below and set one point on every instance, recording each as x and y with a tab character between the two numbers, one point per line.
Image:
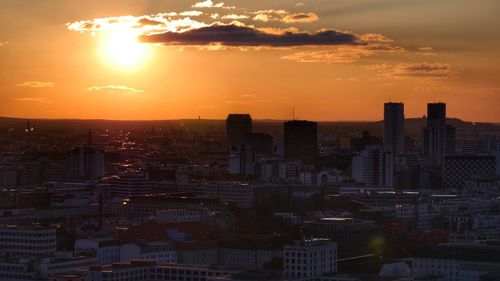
394	119
237	127
301	140
439	138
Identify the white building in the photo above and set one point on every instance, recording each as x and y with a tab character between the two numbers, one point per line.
27	241
160	251
279	170
452	269
373	166
242	195
310	259
42	269
420	216
106	250
179	215
127	184
322	178
242	160
52	266
149	270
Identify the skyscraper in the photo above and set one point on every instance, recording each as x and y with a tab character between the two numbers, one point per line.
237	127
439	138
394	119
301	140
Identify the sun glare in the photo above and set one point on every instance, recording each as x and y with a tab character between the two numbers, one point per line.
121	48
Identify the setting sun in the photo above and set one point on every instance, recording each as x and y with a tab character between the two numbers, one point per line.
120	48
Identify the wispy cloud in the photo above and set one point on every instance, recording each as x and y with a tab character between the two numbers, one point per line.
339	55
427	51
284	16
119	89
191	13
235	17
36	84
211	4
415	70
33	99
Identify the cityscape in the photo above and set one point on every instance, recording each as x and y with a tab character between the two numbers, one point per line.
212	141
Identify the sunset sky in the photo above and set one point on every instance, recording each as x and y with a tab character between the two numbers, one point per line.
168	59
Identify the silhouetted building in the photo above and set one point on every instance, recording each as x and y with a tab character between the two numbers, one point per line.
358	144
439	138
301	140
320	255
394	119
85	162
373	166
262	143
459	168
354	237
237	127
242	160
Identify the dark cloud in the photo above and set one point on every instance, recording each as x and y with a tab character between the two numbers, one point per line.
148	21
236	35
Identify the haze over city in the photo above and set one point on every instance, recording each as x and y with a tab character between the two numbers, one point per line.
330	60
231	140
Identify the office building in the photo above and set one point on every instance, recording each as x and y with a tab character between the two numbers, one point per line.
150	270
106	250
27	241
237	127
262	143
394	128
373	166
354	237
242	160
301	140
85	162
310	259
459	168
128	184
439	138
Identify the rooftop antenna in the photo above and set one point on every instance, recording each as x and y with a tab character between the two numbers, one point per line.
293	112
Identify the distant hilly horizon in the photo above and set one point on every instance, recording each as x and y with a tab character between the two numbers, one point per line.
4	118
413	126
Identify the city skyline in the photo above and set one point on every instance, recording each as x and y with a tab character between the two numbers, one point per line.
183	59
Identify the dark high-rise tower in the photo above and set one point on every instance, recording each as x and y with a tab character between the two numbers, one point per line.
394	119
439	138
237	127
301	140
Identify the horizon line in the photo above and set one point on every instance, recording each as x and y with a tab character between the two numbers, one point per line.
223	119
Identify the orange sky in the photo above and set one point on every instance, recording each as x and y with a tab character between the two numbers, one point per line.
331	60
